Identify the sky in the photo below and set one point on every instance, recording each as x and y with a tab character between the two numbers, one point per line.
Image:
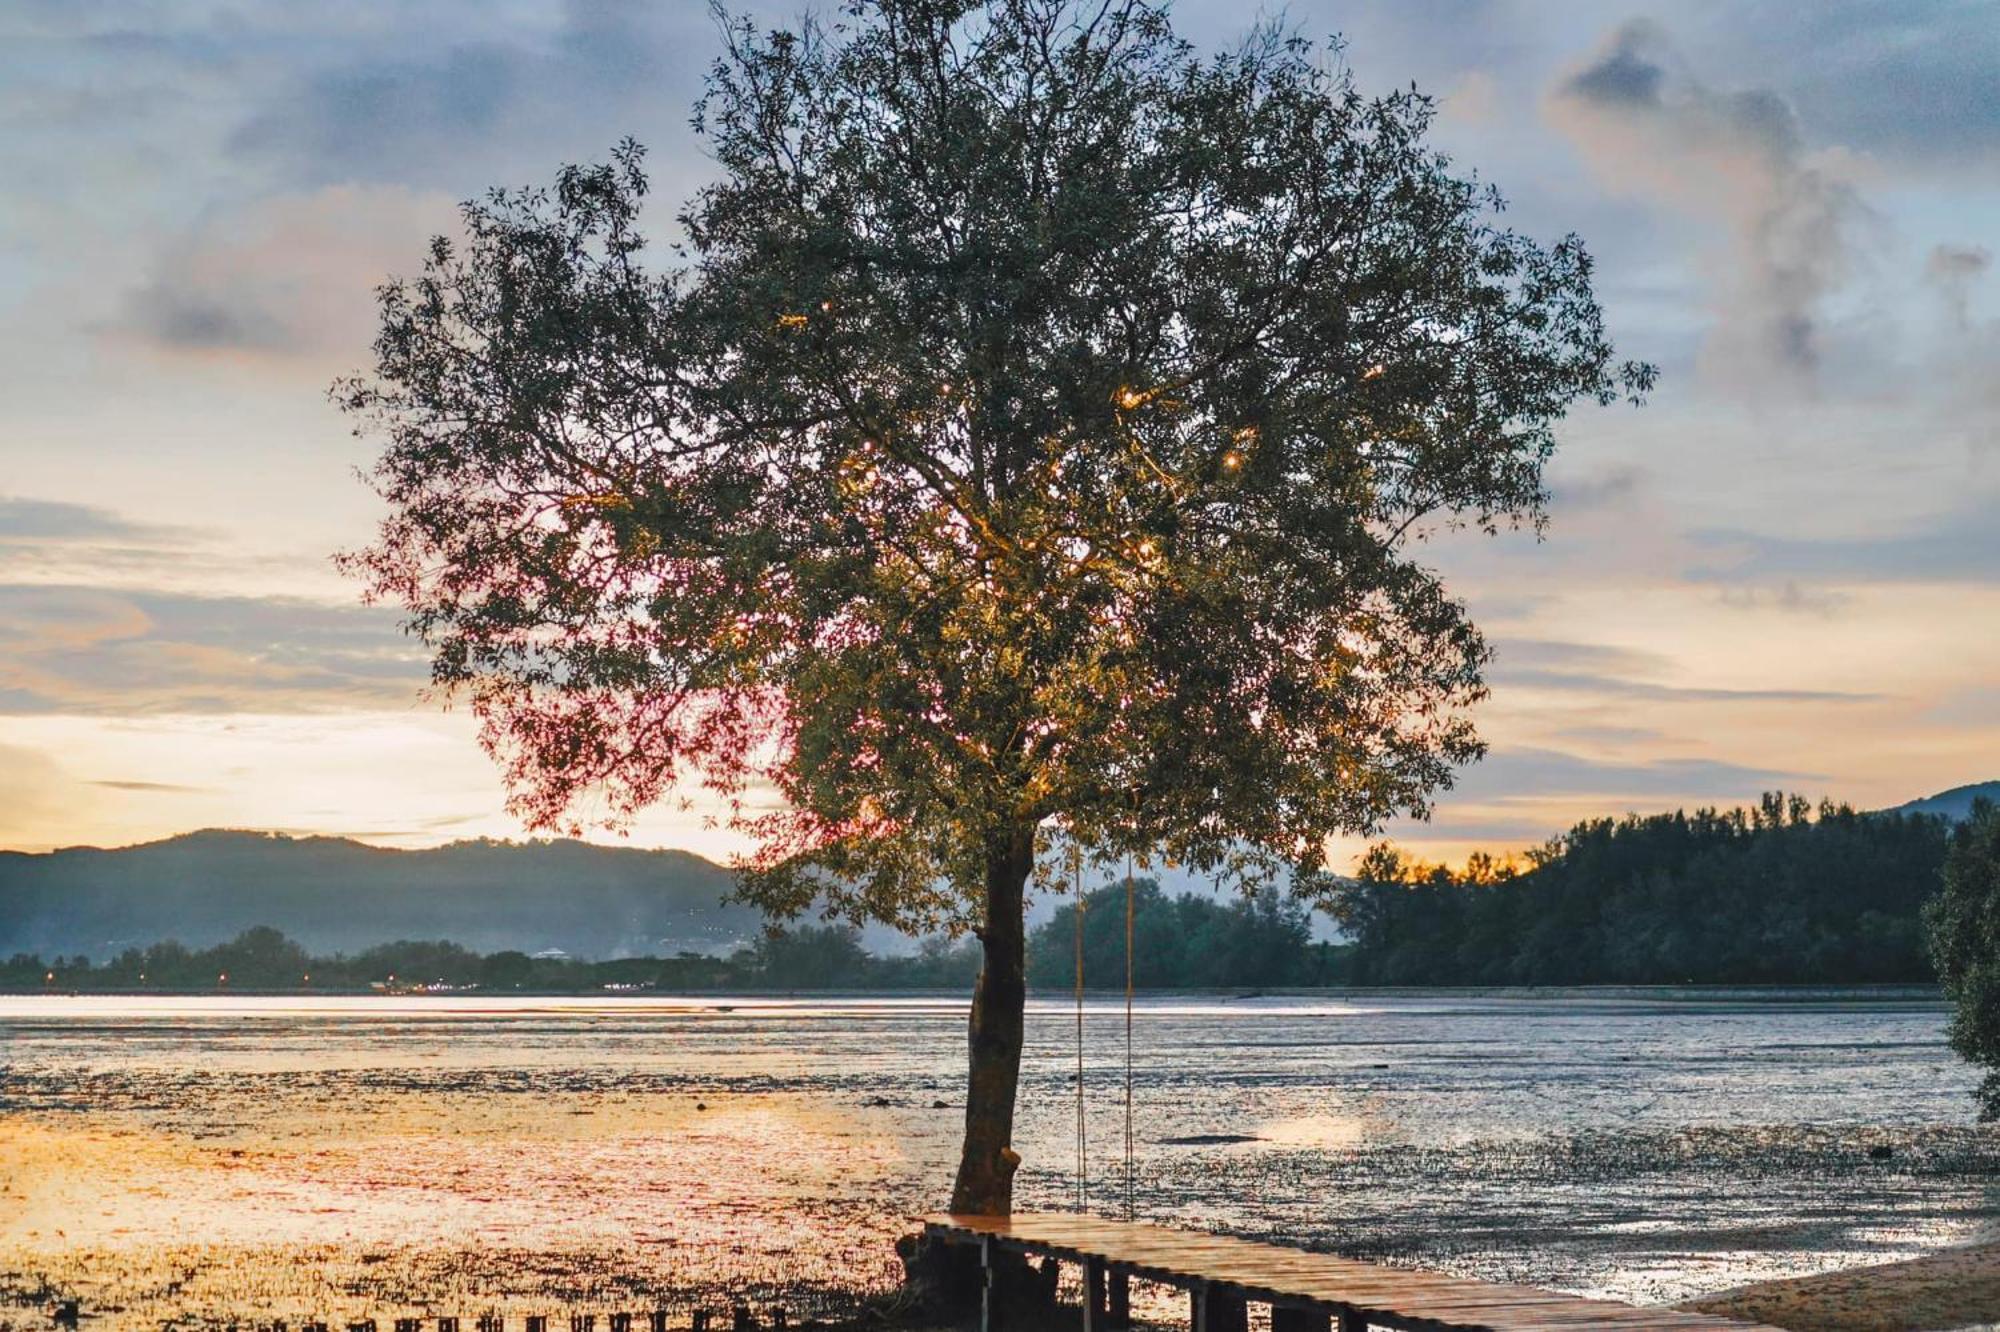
1784	571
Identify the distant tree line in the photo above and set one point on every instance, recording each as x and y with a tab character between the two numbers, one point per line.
1183	942
1186	942
1780	893
808	957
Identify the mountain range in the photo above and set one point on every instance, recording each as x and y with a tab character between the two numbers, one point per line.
334	894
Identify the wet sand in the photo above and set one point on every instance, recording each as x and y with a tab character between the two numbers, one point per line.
1952	1290
383	1159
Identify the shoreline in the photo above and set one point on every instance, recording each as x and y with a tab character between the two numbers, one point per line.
1886	992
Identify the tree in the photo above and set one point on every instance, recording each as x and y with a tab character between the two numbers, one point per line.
1964	925
1027	440
507	969
813	957
261	957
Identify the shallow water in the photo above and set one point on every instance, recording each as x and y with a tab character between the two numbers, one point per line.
242	1158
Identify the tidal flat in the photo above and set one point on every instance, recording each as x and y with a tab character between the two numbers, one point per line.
223	1160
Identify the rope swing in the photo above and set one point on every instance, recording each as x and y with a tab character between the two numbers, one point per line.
1082	1135
1128	1034
1082	1122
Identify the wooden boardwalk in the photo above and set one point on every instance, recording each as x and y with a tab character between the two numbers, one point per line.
1307	1292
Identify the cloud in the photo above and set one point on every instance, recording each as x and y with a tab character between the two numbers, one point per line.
284	278
1521	774
60	543
1612	735
1961	547
200	565
34	520
1610	686
1550	652
1911	81
92	651
1607	488
439	107
1789	597
1620	673
149	788
1736	158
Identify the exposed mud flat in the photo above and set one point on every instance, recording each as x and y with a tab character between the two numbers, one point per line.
195	1165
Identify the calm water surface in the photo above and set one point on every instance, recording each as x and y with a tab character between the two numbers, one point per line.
239	1158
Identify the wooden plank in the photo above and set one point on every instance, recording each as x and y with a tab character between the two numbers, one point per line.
1221	1272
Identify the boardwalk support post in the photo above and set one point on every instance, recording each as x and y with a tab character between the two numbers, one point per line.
991	1316
1289	1319
1095	1309
1219	1309
1118	1300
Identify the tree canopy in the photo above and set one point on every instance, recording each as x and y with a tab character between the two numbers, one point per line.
1030	431
1035	414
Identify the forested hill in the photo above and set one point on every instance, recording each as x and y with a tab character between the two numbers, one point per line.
1956	803
1783	893
333	894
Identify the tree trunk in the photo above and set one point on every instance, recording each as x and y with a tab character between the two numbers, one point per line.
985	1184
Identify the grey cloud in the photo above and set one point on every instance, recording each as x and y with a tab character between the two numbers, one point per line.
1616	687
1911	81
1789	596
1622	673
1612	735
286	277
172	312
439	107
355	117
150	788
1621	77
1516	774
25	520
103	652
1737	157
1603	489
1544	653
1955	548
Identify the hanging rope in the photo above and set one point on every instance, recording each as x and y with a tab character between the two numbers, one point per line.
1128	1034
1082	1137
